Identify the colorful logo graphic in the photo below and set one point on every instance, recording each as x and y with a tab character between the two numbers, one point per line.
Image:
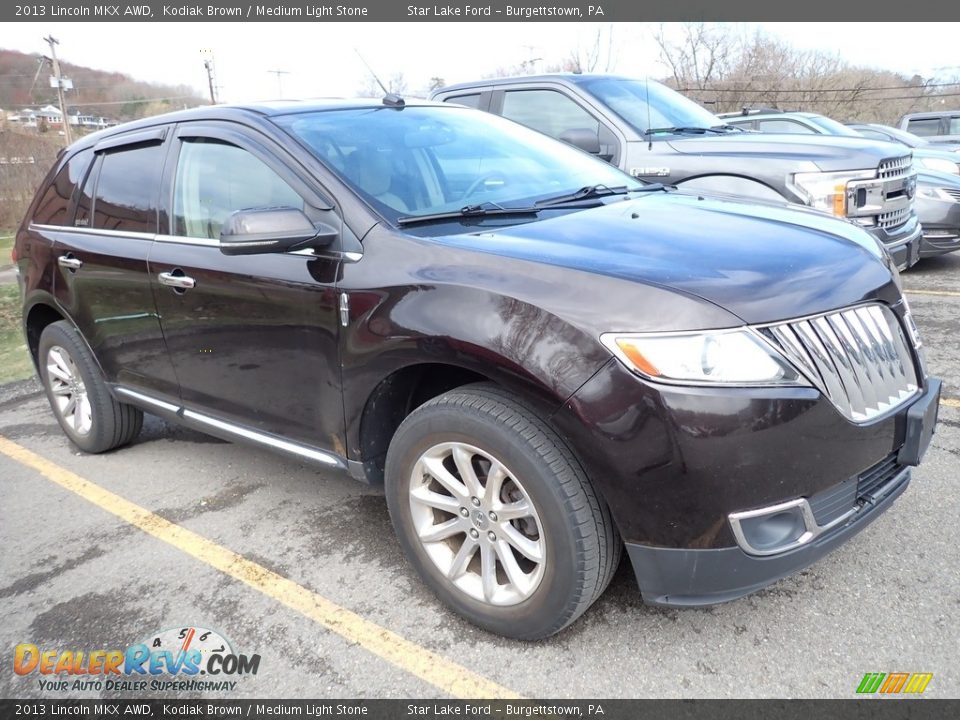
893	683
187	651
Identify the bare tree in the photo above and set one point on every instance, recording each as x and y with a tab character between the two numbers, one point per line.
702	55
714	65
396	84
599	54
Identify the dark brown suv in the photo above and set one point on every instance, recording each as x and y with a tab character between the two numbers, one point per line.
541	358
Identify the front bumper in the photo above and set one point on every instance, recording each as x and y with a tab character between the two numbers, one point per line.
687	578
941	226
674	462
903	243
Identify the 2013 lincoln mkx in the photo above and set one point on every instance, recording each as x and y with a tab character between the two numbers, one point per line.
542	359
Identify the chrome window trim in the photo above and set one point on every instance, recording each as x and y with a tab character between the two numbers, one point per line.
210	242
293	448
102	232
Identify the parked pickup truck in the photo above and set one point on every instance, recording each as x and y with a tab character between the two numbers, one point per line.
657	134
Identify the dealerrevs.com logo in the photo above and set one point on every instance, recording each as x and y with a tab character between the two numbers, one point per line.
179	659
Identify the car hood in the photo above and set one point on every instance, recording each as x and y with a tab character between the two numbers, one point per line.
829	153
932	178
760	262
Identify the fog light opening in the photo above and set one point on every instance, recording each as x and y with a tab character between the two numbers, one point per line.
774	529
773	532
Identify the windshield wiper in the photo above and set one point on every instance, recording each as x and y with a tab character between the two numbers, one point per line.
684	130
468	211
591	192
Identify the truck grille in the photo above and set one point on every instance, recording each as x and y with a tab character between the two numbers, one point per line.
894	218
859	358
955	194
895	167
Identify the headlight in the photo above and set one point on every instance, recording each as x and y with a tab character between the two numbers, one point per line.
828	191
934	193
720	357
938	164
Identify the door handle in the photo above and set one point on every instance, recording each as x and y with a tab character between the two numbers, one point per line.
69	262
176	279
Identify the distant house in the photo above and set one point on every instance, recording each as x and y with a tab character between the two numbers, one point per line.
24	118
50	115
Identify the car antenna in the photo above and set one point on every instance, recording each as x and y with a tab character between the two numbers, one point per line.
389	98
646	89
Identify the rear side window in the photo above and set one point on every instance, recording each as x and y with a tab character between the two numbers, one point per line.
784	126
872	134
548	111
215	179
472	101
127	188
54	206
954	128
925	127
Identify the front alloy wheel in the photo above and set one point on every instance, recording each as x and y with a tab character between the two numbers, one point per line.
477	523
496	514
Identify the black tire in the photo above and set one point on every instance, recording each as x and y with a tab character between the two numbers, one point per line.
112	423
583	548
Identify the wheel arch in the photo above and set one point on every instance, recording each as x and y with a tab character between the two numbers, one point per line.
733	184
407	388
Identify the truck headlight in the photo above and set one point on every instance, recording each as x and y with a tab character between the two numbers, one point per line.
934	193
938	165
714	357
828	191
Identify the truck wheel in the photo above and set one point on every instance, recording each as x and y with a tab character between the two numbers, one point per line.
93	420
496	514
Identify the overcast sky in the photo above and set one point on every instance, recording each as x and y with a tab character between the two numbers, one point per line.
320	59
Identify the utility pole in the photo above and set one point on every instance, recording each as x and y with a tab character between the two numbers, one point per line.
53	42
208	64
279	73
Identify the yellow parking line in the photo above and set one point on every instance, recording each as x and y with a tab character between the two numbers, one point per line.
435	669
950	402
939	293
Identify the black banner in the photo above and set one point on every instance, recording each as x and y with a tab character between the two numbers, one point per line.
874	709
477	11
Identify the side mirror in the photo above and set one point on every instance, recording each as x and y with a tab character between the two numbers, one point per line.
586	140
272	230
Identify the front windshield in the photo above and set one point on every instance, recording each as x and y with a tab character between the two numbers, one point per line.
425	160
666	107
832	126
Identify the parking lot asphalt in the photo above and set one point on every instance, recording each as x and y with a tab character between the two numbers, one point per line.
301	567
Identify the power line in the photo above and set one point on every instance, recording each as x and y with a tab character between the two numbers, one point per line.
854	89
122	102
861	98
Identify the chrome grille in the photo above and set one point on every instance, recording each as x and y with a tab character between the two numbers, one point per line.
893	218
859	358
895	167
955	194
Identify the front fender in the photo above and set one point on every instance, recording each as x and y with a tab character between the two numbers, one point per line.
531	327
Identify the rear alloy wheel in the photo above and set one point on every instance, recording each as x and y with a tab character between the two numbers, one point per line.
69	394
89	415
496	514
